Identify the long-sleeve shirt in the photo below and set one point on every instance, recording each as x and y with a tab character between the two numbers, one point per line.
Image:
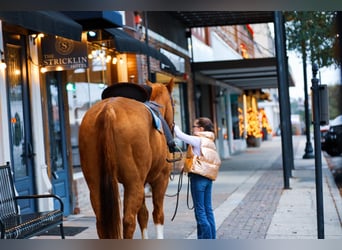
194	141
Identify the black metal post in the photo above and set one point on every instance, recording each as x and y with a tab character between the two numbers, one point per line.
195	87
283	91
146	41
318	153
308	147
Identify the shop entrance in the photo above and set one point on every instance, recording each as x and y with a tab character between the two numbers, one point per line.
57	136
21	147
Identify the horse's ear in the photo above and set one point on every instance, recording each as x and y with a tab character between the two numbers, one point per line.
148	83
170	85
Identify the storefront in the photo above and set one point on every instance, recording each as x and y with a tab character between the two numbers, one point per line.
24	141
54	69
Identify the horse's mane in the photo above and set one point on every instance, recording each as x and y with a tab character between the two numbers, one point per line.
156	91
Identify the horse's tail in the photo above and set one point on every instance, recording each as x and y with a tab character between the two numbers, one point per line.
110	204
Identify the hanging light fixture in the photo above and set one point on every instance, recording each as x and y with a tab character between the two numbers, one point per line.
2	60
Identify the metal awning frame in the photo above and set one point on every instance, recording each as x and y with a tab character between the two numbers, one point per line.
242	74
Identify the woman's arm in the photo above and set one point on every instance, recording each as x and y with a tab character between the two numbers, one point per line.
194	141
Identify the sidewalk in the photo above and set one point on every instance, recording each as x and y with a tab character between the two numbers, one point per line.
249	200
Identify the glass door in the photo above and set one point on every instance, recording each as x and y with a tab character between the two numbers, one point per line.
58	148
22	152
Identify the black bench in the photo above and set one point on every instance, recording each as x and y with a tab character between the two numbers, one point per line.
13	224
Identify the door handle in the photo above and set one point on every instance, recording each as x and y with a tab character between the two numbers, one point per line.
30	151
27	151
55	175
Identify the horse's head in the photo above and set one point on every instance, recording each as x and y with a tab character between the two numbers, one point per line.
162	94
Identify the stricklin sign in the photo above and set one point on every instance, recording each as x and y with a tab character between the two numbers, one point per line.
63	54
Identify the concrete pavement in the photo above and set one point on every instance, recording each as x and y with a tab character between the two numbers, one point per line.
249	200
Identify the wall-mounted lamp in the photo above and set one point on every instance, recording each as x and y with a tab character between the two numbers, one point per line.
2	60
35	36
108	58
92	33
99	54
43	70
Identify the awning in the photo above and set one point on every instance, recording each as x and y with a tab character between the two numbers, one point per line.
242	74
50	22
192	19
96	19
127	44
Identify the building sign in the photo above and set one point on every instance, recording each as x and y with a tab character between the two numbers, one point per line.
59	53
175	59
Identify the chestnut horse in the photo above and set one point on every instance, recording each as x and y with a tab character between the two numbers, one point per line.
118	143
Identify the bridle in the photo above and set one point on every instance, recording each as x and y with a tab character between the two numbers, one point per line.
174	147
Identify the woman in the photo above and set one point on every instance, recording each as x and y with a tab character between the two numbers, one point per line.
205	163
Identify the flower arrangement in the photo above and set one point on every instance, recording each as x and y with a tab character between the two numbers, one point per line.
254	129
241	122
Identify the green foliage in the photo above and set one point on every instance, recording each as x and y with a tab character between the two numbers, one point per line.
313	35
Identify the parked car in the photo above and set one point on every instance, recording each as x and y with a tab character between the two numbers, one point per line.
324	131
332	139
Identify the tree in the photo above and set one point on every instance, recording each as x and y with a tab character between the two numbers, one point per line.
313	35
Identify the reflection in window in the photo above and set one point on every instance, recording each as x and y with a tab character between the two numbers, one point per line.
16	110
81	96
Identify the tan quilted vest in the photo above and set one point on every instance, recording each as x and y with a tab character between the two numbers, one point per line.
209	162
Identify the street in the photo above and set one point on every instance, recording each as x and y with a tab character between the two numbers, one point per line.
335	165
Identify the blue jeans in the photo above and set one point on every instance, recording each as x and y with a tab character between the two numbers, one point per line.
201	188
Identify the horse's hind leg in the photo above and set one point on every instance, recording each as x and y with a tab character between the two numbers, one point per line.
143	220
158	192
133	200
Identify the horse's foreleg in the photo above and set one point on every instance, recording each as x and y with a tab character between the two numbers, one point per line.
143	220
133	198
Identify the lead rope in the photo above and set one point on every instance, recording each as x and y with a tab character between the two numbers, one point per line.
179	188
188	196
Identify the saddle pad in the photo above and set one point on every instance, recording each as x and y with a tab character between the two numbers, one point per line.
156	120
